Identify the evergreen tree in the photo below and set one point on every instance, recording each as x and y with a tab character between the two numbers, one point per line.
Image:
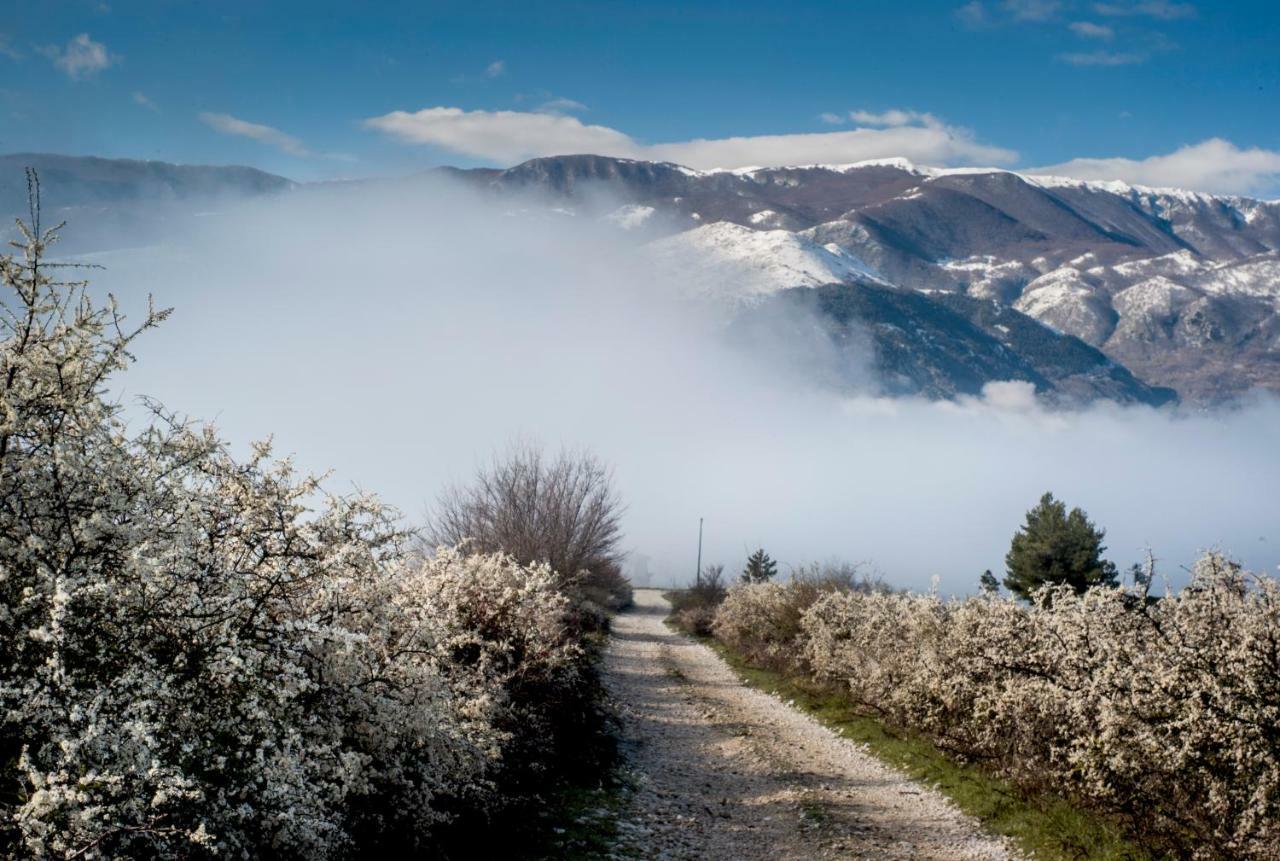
988	582
1054	547
760	568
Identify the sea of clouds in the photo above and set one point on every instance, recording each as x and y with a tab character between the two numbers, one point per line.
399	334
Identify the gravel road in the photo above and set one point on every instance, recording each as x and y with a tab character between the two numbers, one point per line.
724	771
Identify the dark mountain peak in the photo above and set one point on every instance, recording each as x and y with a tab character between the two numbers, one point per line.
564	174
1181	287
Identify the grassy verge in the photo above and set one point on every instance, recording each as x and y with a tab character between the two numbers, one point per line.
1044	827
578	824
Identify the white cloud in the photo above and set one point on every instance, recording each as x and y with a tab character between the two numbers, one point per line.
831	119
1105	58
507	137
502	136
928	145
1032	10
1160	9
510	136
82	57
140	98
1151	45
1214	165
561	105
973	15
894	118
1089	30
496	68
7	49
229	125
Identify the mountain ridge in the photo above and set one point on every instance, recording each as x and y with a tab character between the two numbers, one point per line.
70	180
1062	251
1182	288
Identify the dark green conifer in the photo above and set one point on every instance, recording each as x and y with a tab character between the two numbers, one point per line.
1057	547
760	568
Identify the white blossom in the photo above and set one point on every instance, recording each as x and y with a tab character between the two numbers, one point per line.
1164	712
205	656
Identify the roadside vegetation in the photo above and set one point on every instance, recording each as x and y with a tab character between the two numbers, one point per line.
561	510
1086	719
1045	826
207	656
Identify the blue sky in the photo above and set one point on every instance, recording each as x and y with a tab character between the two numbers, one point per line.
1151	91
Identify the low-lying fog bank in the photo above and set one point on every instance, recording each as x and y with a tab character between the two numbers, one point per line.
400	336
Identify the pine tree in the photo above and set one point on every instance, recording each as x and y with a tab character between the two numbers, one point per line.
1057	547
760	568
988	582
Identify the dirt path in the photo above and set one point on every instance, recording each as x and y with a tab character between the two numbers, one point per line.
729	772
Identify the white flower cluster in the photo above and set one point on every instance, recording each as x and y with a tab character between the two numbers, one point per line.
1165	712
761	622
205	656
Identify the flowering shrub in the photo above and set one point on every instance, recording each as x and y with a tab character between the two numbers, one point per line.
202	656
513	632
762	620
1164	712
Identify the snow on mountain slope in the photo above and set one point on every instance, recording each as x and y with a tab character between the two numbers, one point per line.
1044	180
1067	301
727	261
1182	287
1178	264
1115	186
770	220
1148	312
1258	277
986	277
1157	297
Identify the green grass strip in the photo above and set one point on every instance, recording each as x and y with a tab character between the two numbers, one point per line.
580	824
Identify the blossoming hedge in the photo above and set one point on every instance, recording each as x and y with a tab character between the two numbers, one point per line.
201	655
1163	712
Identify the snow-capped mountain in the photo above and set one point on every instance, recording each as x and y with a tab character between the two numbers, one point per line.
1181	287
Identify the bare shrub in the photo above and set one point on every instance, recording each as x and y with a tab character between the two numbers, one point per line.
694	608
562	511
810	582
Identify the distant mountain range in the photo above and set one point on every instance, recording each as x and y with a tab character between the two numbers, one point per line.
961	276
70	182
1181	288
109	200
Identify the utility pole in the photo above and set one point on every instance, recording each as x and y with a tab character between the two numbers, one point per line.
697	577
